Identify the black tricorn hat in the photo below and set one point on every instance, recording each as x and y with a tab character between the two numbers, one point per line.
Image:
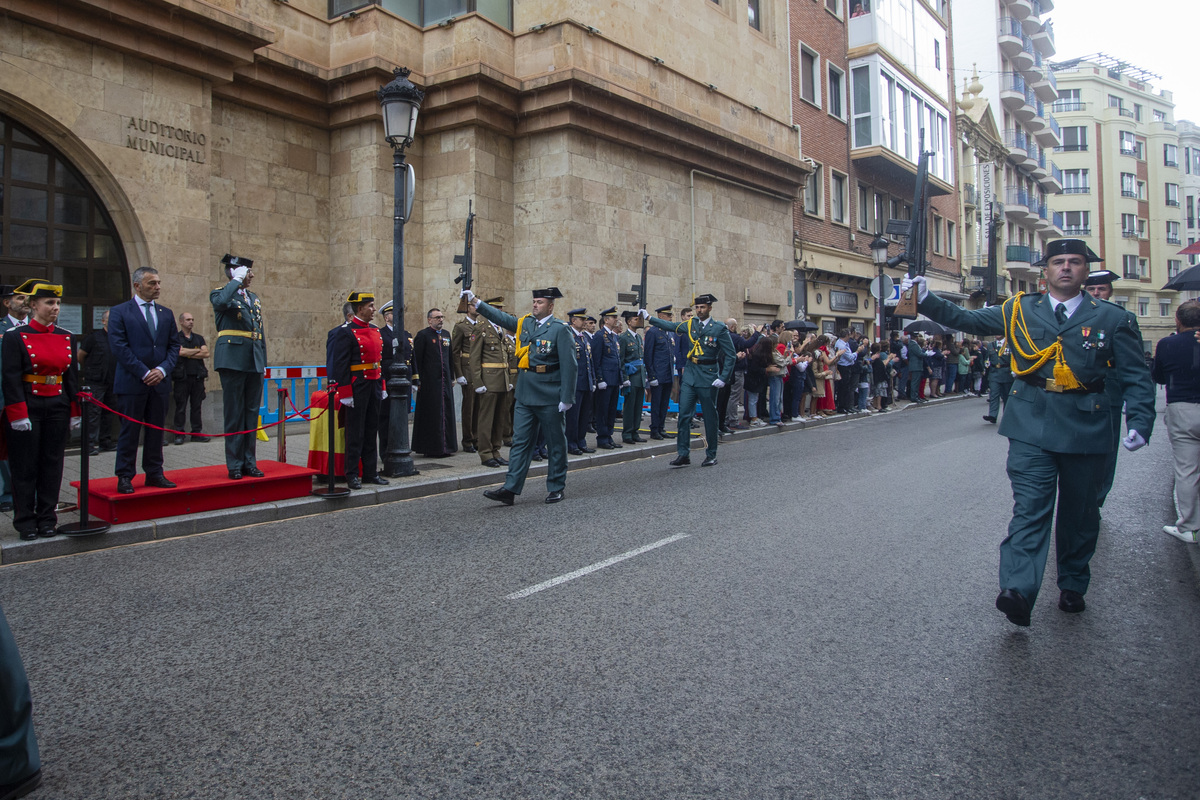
357	298
7	290
1060	247
233	262
36	288
706	299
1101	277
551	293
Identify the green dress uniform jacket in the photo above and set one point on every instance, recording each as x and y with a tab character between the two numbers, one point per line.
709	354
548	380
1058	440
240	358
633	369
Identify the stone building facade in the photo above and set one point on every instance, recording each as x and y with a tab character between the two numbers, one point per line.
170	132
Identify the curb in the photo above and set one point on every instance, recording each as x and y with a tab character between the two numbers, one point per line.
21	552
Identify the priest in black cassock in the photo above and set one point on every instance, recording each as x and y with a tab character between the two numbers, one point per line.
434	435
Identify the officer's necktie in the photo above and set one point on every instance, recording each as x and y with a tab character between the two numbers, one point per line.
149	309
1060	313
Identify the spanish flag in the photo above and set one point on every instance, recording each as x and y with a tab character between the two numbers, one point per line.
318	436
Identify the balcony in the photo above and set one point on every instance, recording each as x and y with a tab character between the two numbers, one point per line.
1131	193
1043	40
1047	85
1022	60
1043	221
1010	35
1056	219
1051	134
1077	230
1019	206
1066	106
1173	203
1170	162
1020	8
1027	110
1052	183
1039	168
1012	90
1128	234
1033	23
1125	112
1077	190
1017	254
1175	240
970	195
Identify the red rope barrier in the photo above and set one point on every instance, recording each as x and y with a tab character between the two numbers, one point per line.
90	398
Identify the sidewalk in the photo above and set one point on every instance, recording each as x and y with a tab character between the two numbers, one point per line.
437	476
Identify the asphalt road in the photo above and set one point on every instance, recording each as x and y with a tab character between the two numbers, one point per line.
821	627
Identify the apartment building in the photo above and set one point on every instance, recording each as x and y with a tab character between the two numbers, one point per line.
1123	181
870	86
982	156
1189	154
170	132
1010	42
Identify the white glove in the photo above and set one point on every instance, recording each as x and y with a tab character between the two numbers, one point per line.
626	383
510	387
718	383
654	382
239	273
22	425
348	402
384	395
1132	441
462	381
468	294
920	283
75	423
480	389
601	385
564	406
643	313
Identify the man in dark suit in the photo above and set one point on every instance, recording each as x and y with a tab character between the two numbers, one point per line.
585	385
145	344
608	360
395	345
660	369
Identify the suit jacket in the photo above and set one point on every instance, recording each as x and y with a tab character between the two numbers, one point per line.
916	357
550	344
587	366
607	353
1100	340
659	355
136	352
234	312
711	340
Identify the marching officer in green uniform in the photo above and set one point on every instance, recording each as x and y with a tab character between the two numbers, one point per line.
489	375
240	358
1000	378
1066	347
710	358
633	374
1099	284
545	390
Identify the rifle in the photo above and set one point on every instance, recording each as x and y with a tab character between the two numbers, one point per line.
465	260
640	288
915	232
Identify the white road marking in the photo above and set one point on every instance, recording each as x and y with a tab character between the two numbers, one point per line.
599	565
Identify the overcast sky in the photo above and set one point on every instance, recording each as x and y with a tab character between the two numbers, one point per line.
1158	37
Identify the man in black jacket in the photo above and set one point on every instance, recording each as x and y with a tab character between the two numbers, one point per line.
187	381
99	367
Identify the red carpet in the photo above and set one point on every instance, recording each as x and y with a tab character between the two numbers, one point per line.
199	489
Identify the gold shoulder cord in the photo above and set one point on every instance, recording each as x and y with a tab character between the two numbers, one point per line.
522	350
696	350
1014	322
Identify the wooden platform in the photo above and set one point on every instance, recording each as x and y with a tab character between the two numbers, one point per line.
199	489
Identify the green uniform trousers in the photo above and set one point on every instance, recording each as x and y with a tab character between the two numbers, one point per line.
689	395
527	421
19	756
631	412
999	385
1117	409
1039	479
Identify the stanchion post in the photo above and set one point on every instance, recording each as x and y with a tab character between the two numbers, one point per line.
281	453
85	527
329	492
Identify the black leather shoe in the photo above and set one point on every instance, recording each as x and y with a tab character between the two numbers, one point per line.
200	437
987	418
11	791
657	436
107	448
616	446
681	461
711	461
1015	607
503	461
470	448
93	451
28	536
159	482
575	451
554	497
46	533
1071	602
508	442
493	463
125	485
589	449
606	446
353	482
500	495
6	506
253	472
376	480
235	474
536	457
638	440
178	440
627	441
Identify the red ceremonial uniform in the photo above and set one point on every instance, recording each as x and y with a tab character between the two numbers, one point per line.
356	364
40	384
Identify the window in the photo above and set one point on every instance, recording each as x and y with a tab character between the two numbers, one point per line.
837	197
906	123
1128	184
937	54
1141	191
1075	181
881	217
1173	233
810	77
1170	155
937	234
1077	223
950	239
1143	268
864	208
1160	116
812	192
753	7
1173	266
1143	306
1187	161
1129	226
1141	229
1191	209
1195	161
1164	308
887	110
837	92
834	6
432	12
1137	112
1128	143
1173	194
1068	100
1074	137
860	78
1123	302
1129	266
1115	102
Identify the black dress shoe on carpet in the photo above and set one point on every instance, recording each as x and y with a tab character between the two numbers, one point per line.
376	480
1014	606
503	461
554	497
500	495
178	440
159	482
200	437
986	418
353	482
11	791
470	448
253	472
1071	601
711	461
125	485
681	461
493	463
235	474
28	536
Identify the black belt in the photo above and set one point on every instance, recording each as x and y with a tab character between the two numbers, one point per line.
703	360
543	368
1092	387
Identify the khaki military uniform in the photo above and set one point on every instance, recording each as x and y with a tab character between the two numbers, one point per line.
510	400
461	338
489	357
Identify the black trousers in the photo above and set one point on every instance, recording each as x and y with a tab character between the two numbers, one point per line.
578	417
385	424
722	404
844	389
189	392
362	430
151	408
606	413
36	460
100	421
241	396
660	401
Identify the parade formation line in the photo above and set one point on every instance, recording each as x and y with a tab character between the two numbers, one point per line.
599	565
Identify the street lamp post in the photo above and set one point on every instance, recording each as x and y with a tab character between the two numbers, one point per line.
879	254
401	101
